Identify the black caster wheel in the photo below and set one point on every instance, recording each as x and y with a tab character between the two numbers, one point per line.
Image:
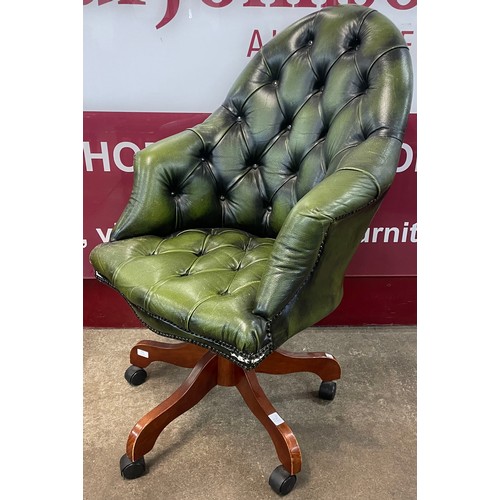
132	470
135	375
327	390
281	481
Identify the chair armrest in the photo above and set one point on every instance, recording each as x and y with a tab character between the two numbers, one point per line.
361	179
151	208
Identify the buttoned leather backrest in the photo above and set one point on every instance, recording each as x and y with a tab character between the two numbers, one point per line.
313	93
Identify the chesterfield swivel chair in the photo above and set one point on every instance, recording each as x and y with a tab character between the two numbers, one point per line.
239	230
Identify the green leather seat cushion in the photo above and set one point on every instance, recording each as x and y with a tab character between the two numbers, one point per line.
203	281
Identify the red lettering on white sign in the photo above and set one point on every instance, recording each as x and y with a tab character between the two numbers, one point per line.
397	5
217	5
406	32
256	42
172	6
120	2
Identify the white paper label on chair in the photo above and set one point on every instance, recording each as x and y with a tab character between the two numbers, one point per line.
144	354
276	419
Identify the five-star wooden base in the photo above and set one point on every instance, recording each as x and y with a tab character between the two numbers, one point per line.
209	370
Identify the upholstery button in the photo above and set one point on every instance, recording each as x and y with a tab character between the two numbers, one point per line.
275	83
238	119
289	127
172	193
269	209
310	42
222	197
354	43
255	166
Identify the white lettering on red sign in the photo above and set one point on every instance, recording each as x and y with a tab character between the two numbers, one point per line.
408	159
391	234
102	154
117	152
104	237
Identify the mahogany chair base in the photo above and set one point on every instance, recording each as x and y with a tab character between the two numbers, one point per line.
208	371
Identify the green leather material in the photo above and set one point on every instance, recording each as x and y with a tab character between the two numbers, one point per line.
353	188
203	281
295	161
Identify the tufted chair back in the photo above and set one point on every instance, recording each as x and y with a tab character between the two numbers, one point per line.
319	98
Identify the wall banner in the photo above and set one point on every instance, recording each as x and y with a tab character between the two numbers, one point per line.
155	67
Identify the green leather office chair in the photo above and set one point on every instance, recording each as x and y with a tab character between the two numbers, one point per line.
239	230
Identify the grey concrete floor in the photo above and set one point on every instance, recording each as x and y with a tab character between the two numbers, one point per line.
360	446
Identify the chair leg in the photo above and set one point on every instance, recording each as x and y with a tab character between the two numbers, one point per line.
281	362
200	381
180	354
285	442
210	370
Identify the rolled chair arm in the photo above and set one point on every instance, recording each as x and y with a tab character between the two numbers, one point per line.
151	208
360	180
